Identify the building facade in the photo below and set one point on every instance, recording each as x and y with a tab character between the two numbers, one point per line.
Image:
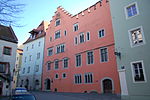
131	31
32	61
79	52
8	47
18	63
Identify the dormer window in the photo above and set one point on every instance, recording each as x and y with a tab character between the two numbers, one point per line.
32	36
57	22
40	32
75	27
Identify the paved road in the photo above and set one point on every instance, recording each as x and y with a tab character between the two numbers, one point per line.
74	96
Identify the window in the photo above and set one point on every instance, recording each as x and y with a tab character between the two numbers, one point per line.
65	32
37	68
88	77
32	46
40	31
56	63
50	39
2	68
56	76
23	71
27	49
131	10
104	54
77	79
136	36
28	70
65	63
78	60
138	71
75	40
39	43
64	75
50	51
60	48
30	57
38	55
87	36
81	37
7	51
57	22
101	33
90	57
57	34
75	27
25	59
48	65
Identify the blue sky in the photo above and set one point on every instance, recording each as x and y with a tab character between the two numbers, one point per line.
36	11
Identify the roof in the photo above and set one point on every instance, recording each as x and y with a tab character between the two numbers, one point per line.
38	32
7	34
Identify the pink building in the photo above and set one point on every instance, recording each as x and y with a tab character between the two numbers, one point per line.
79	52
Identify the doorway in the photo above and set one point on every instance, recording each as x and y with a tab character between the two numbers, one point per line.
107	85
47	84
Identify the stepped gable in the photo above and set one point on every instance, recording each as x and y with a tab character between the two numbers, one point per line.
82	13
89	9
60	10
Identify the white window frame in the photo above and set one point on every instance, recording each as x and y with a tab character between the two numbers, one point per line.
29	68
37	68
107	55
92	78
30	57
65	32
56	33
39	43
74	25
38	55
87	35
63	63
125	9
104	32
23	71
47	65
54	64
87	57
132	69
56	21
60	48
55	76
76	61
130	38
76	37
51	48
80	38
78	76
25	59
63	76
32	46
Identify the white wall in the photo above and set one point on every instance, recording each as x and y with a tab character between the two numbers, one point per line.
34	61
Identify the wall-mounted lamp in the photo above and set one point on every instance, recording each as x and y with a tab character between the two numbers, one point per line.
118	54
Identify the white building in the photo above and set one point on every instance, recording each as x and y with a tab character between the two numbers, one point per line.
32	61
8	47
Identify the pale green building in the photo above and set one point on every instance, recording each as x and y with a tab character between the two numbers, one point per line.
131	26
